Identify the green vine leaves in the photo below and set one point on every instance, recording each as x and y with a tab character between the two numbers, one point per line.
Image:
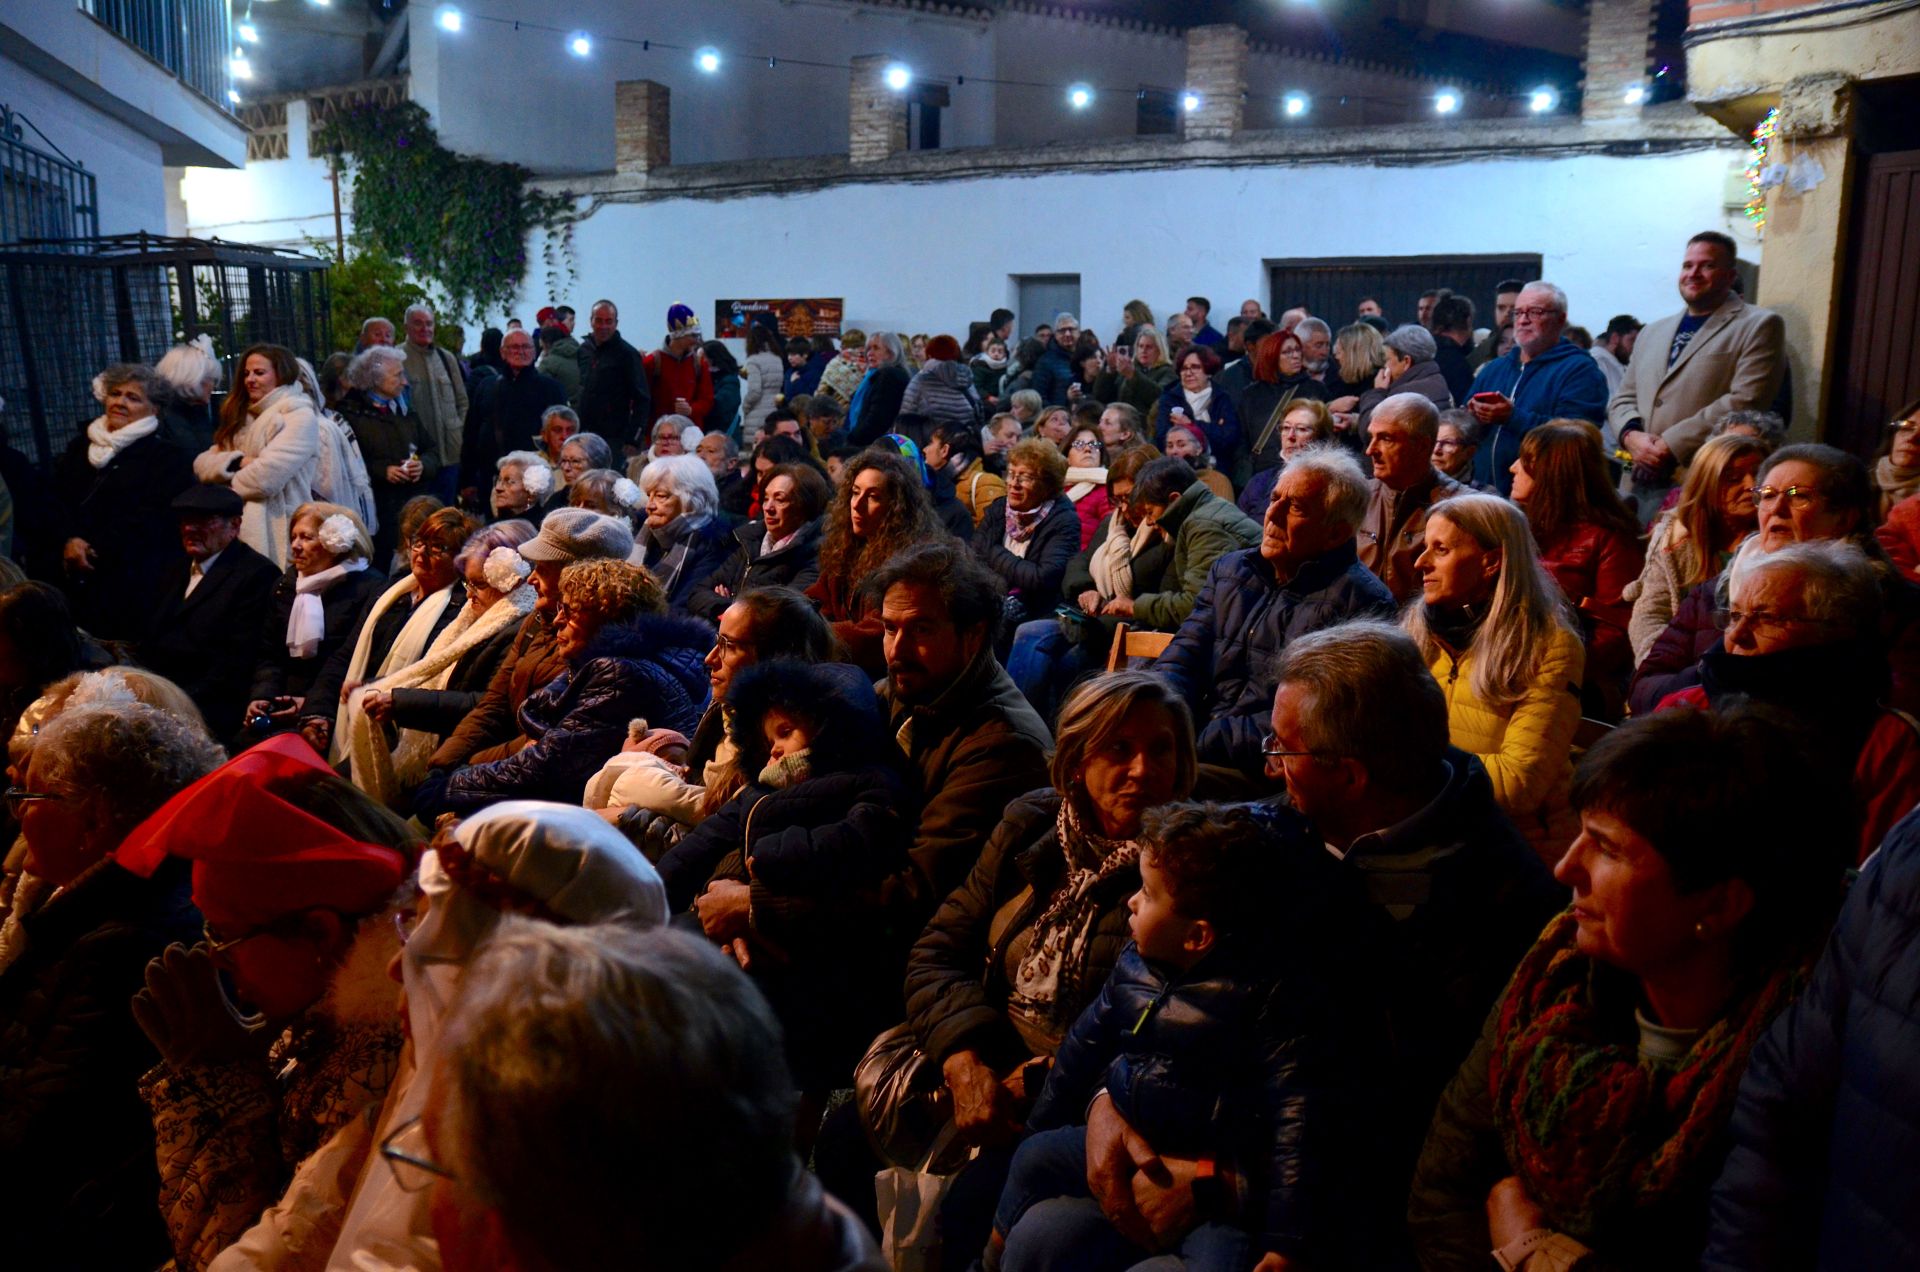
459	223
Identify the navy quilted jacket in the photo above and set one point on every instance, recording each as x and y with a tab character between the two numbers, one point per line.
1222	658
648	667
1825	1165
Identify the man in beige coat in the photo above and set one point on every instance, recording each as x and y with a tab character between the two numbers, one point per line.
1689	369
438	391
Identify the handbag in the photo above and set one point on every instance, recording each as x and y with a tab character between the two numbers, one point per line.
909	1204
902	1100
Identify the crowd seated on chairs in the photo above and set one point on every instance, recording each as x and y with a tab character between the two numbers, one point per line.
1090	806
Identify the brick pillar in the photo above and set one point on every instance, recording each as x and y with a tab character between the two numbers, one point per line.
876	115
1217	71
641	126
1619	40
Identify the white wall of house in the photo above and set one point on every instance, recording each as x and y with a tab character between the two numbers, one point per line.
274	202
931	257
127	167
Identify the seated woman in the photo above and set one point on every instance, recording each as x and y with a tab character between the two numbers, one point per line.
1896	465
684	539
1589	540
781	549
1021	948
70	1052
579	454
1191	399
401	456
1054	424
787	874
1186	442
879	509
1589	1123
521	485
364	1194
300	908
1693	542
114	533
955	450
605	491
393	629
1498	638
1409	351
391	725
1359	353
313	611
626	656
638	790
1802	635
1028	537
1455	446
1086	485
670	435
1306	423
267	448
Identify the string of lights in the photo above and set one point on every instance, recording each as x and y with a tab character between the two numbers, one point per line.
900	76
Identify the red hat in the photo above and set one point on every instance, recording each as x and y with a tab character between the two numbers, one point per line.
545	316
943	349
257	857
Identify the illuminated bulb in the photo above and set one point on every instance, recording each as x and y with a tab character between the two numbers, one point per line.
249	32
898	77
1542	100
1446	101
708	60
579	45
1189	102
449	19
233	97
1080	97
1295	104
1636	94
242	68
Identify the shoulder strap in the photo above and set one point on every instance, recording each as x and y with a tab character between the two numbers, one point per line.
1273	422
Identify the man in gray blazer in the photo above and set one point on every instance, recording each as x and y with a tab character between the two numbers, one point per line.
1689	369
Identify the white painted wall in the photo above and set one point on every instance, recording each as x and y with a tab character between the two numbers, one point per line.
276	202
933	257
127	167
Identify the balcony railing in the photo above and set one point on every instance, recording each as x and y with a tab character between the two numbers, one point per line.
43	194
192	39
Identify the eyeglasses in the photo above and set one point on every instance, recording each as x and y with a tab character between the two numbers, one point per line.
1799	498
216	944
406	1153
1021	477
19	795
1085	444
1273	748
728	645
1534	313
1728	619
1906	428
431	551
1448	446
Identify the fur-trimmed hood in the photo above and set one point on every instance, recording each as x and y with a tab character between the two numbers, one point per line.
838	697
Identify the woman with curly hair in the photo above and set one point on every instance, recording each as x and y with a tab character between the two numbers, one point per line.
880	508
626	657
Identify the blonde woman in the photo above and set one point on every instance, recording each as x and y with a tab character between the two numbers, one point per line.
1694	541
315	605
1359	353
1496	635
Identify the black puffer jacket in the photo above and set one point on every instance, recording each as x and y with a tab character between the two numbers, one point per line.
796	564
1036	577
957	988
650	667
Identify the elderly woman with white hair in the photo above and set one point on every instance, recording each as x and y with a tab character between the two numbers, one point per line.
576	454
113	527
366	1191
71	1054
876	403
400	452
684	539
522	481
191	374
1410	368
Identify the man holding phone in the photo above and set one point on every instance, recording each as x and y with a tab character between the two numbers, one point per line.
1544	377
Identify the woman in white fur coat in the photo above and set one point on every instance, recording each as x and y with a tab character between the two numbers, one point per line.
267	448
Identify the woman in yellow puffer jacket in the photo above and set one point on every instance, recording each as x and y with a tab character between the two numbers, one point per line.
1498	638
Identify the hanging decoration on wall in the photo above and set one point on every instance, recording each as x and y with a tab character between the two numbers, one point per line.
1762	176
458	222
814	317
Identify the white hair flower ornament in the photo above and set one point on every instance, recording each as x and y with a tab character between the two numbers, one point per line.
538	479
506	569
338	536
627	493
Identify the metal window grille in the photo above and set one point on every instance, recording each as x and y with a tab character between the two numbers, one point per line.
43	193
191	39
68	309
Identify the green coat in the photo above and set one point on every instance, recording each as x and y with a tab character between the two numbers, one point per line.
562	362
1202	527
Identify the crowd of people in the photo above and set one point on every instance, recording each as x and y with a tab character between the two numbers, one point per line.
1311	795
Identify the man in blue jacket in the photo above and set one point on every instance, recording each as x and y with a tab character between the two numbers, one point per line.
1544	377
1054	374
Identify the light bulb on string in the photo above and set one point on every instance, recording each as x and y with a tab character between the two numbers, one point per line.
708	60
898	77
1079	96
579	44
1446	101
1295	104
449	19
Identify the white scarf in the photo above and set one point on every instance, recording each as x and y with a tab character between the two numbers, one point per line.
1082	482
385	774
1197	403
407	647
104	443
1112	564
307	625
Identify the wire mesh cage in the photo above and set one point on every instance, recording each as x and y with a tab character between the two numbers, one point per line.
69	308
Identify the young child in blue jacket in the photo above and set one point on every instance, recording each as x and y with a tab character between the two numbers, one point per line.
1217	1043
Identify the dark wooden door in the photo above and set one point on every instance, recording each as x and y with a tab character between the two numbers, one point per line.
1877	361
1331	289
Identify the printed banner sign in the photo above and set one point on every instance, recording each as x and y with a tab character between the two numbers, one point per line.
817	317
